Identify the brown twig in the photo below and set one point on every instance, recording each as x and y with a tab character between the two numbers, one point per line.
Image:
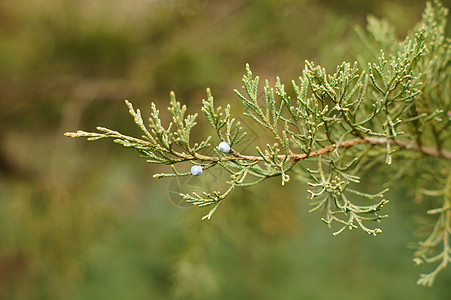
346	144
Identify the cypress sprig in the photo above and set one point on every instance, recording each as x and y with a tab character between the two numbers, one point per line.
395	110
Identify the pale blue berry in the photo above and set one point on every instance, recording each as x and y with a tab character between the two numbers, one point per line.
196	170
224	147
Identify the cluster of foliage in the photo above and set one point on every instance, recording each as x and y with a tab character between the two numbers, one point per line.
395	109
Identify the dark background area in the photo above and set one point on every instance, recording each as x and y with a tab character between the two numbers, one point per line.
83	220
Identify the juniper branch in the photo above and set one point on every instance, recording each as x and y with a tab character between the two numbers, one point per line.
348	121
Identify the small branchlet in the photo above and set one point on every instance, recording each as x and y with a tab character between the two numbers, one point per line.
329	196
439	237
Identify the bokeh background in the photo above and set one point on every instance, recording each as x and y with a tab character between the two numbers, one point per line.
83	220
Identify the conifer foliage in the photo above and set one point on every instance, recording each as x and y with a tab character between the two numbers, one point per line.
393	110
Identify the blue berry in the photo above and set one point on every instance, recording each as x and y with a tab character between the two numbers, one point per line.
224	147
196	170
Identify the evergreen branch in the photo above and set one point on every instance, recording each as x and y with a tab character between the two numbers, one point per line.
354	119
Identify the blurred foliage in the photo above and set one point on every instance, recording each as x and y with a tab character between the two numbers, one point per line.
81	222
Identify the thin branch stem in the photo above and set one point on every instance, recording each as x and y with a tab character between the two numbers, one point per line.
345	144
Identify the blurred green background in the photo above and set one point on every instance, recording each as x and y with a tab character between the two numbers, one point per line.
83	220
